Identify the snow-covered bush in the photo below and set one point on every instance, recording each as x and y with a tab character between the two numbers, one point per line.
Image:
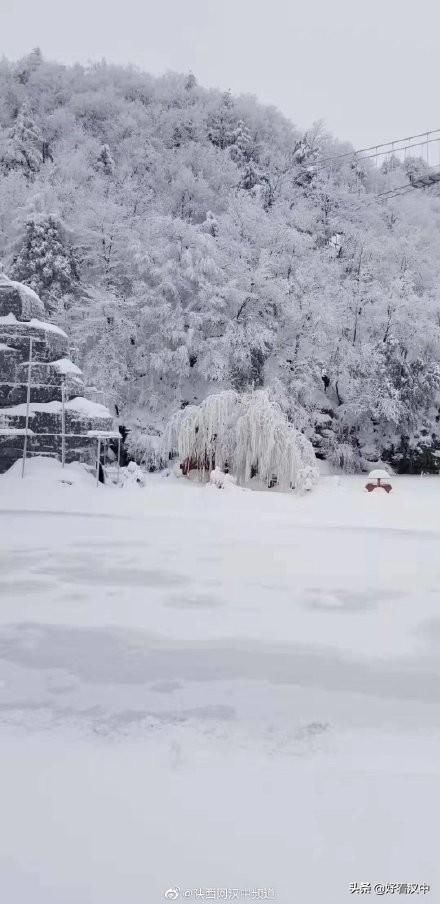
307	479
222	481
343	456
144	448
246	435
132	475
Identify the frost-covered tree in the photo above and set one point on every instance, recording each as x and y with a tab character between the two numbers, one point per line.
105	163
247	435
223	123
243	150
22	147
28	65
45	260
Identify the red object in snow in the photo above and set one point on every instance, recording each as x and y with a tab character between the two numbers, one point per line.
378	480
378	486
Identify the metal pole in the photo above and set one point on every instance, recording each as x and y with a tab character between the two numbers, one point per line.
28	399
119	458
98	461
63	423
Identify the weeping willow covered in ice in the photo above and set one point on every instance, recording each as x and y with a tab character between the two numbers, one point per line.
203	435
247	434
268	444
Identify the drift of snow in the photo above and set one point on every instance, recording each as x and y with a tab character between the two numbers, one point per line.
222	481
207	689
45	472
132	475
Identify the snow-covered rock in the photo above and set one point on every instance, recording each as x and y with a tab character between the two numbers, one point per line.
53	376
18	300
48	470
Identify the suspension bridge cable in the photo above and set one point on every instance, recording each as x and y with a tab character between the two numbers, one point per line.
395	146
405	147
384	144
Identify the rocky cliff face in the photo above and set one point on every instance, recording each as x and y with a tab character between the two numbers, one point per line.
22	320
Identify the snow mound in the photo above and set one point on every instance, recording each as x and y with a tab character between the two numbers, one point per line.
222	481
308	478
46	470
380	473
132	475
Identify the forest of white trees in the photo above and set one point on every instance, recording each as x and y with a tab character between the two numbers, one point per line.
192	242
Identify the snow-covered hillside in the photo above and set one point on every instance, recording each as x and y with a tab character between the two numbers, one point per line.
190	241
216	689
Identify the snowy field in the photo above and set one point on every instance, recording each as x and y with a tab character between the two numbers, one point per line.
224	692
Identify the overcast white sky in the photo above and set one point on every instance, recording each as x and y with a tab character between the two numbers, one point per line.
368	68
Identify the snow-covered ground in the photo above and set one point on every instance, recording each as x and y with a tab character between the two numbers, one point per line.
227	692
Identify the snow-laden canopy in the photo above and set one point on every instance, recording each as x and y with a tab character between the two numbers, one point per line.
248	434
